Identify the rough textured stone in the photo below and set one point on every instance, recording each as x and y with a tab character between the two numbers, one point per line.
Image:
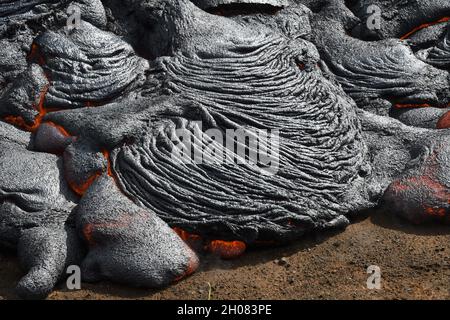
90	120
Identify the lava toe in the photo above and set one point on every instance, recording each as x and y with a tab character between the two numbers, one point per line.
129	244
45	253
423	193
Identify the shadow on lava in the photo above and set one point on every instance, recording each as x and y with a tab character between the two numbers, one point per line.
262	254
106	288
391	221
10	274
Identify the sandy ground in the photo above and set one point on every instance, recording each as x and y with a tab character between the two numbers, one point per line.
414	261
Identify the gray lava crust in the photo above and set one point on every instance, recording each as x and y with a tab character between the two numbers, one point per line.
90	120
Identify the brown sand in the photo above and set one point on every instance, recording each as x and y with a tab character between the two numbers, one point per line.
414	261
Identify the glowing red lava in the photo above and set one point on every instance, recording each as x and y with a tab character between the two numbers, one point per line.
193	265
444	121
81	189
194	241
423	26
36	55
59	128
88	230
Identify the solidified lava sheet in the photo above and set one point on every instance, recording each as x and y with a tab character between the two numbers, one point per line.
93	100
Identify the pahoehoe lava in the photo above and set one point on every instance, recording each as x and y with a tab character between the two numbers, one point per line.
90	118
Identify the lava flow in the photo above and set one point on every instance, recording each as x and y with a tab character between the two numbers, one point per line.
227	249
412	105
36	55
89	229
21	123
444	121
223	249
80	189
423	26
59	128
193	265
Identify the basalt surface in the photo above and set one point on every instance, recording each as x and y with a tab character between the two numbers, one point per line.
91	115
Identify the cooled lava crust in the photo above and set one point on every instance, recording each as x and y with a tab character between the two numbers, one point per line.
89	116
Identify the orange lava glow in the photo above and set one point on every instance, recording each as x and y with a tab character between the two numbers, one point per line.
423	26
224	249
90	104
412	105
21	123
88	229
227	249
444	121
440	192
193	265
35	54
109	170
437	212
59	128
192	240
81	189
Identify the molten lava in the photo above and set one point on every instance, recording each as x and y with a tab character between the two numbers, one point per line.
227	249
444	121
91	104
59	128
224	249
81	189
35	55
88	230
194	241
412	105
423	26
193	265
109	169
439	193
